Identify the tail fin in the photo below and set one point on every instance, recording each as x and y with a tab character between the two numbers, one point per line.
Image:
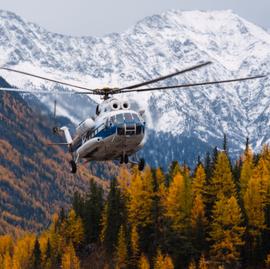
67	134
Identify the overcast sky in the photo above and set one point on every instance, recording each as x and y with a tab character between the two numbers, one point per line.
99	17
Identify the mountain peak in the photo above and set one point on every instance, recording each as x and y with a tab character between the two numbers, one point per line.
155	46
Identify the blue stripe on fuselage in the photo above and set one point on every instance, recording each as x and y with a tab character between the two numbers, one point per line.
106	132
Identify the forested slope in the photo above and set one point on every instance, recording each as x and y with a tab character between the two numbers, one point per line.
34	177
214	217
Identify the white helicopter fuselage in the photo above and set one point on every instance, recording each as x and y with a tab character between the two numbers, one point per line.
116	131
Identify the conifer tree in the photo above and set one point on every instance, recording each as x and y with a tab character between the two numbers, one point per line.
163	262
192	265
226	231
47	260
123	180
246	171
158	210
36	255
159	261
72	229
6	244
254	202
141	199
178	206
178	202
134	242
198	224
203	263
254	205
121	250
222	181
174	169
69	258
199	183
78	204
215	156
92	212
23	250
208	166
225	143
7	261
168	264
112	218
267	261
144	263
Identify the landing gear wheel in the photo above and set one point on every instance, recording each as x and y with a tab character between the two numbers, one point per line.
126	159
73	167
141	164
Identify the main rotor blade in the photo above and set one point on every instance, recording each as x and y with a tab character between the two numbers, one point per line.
15	90
163	77
193	84
48	79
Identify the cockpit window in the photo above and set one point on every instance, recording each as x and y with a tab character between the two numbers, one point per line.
136	118
119	118
128	117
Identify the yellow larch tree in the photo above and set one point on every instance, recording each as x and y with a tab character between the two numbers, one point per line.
222	180
168	264
198	218
246	171
140	198
226	231
69	258
6	244
202	263
23	252
121	250
267	261
178	202
198	224
134	244
144	263
192	265
123	179
73	229
57	241
7	261
163	261
254	203
161	182
199	182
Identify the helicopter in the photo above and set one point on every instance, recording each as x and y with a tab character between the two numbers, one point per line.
116	131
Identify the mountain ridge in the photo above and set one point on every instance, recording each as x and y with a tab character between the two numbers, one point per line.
155	46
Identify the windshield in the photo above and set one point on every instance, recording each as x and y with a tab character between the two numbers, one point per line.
136	118
119	118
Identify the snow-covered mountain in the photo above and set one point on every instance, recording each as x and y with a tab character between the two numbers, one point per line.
157	45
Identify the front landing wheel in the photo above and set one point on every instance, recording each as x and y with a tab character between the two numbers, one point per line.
73	167
141	164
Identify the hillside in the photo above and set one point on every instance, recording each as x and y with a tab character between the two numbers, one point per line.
34	177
